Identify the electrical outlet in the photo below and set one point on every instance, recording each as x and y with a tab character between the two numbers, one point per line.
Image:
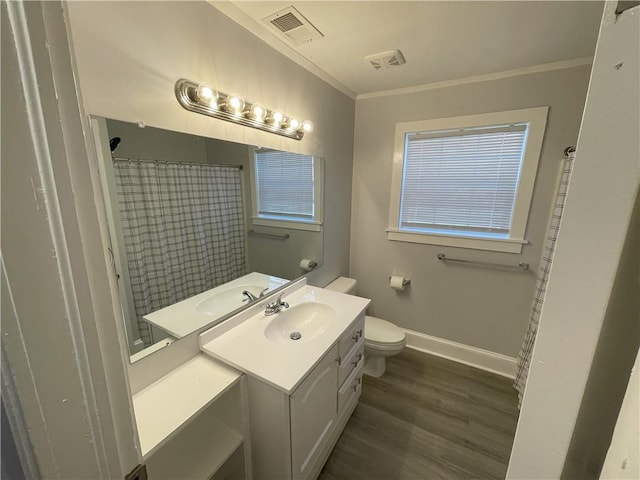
138	473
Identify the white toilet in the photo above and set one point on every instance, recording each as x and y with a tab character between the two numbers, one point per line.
381	338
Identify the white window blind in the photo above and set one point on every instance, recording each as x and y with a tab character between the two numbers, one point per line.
284	185
462	181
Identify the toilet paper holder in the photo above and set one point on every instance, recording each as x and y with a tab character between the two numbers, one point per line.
405	281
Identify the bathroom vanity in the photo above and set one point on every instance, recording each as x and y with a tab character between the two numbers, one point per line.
268	395
303	370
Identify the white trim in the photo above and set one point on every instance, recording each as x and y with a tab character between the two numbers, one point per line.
535	117
507	245
44	160
487	77
458	352
266	222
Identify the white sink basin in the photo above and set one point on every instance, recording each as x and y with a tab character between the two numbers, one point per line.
300	323
227	300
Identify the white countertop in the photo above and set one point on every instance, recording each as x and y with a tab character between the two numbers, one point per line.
183	318
241	342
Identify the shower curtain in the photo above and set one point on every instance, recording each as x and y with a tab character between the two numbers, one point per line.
524	357
183	227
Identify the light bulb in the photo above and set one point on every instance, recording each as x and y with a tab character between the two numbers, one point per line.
276	118
307	126
257	112
234	103
293	124
207	95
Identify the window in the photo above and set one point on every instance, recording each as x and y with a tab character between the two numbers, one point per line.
287	190
466	181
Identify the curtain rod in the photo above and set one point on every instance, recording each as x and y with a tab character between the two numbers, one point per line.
167	162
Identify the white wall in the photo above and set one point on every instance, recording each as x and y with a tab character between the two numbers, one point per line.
596	220
480	307
130	54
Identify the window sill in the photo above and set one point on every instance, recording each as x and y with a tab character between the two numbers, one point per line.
494	244
264	222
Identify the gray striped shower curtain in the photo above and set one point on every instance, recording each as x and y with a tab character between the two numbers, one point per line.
183	227
524	357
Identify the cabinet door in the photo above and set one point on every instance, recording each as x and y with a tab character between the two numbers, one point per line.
313	414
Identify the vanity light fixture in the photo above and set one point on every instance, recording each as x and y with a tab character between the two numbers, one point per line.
201	98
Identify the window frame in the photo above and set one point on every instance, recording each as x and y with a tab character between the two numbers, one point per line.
318	199
536	118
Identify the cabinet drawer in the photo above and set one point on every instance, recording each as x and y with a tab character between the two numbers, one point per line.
350	362
351	388
351	337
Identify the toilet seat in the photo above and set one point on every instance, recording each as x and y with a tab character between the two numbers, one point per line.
381	333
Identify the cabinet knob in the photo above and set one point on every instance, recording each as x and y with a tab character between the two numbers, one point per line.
357	336
356	382
357	361
339	361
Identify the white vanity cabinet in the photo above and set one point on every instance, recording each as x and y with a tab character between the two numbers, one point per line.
301	391
293	435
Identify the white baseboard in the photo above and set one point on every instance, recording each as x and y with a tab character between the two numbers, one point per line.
458	352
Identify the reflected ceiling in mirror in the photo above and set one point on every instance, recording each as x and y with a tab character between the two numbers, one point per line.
186	228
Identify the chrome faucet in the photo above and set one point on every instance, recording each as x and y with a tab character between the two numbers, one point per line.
251	297
275	307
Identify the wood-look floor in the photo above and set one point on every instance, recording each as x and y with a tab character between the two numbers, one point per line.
427	418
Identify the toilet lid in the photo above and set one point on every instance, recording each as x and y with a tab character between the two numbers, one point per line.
381	331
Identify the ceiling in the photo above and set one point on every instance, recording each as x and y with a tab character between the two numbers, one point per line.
441	41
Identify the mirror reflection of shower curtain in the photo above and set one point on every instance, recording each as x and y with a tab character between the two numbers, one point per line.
183	228
524	357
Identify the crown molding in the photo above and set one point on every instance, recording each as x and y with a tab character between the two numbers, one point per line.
545	67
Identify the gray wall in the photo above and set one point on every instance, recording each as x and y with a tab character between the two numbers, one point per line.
480	307
128	65
156	144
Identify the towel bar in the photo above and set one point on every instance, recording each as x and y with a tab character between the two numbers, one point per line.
522	266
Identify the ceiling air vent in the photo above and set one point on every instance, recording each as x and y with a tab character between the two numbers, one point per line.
392	58
292	24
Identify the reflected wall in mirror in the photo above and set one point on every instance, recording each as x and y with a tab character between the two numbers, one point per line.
201	227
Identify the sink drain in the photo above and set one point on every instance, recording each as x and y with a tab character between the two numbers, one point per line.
295	336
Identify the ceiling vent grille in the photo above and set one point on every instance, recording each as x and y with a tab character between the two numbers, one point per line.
391	58
295	27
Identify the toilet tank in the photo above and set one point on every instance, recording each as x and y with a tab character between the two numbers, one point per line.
343	285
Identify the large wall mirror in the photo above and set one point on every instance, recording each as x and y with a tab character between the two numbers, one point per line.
202	222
